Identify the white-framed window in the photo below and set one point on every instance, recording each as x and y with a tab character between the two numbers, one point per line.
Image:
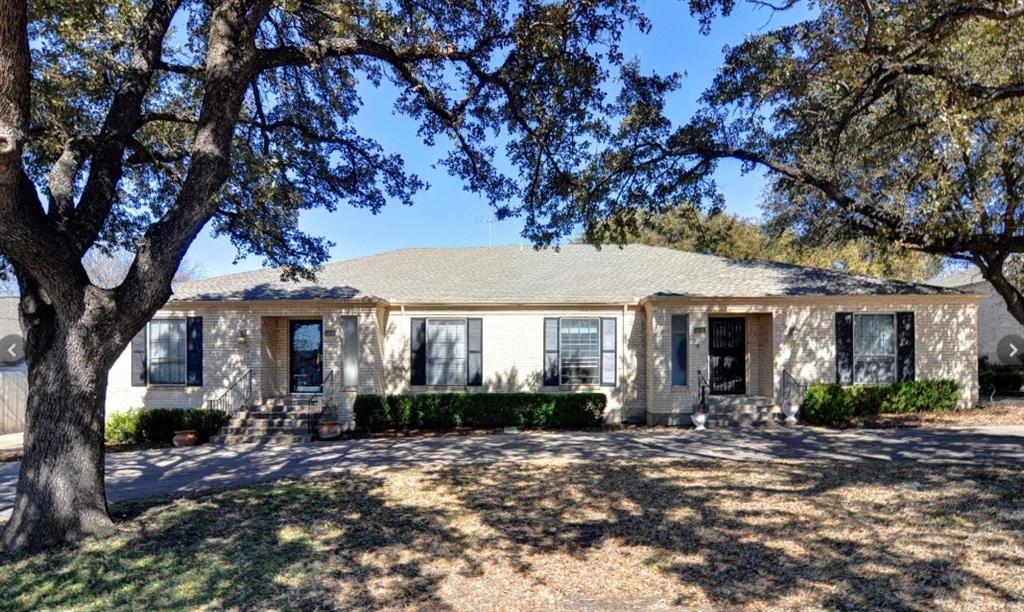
579	342
446	351
168	351
874	348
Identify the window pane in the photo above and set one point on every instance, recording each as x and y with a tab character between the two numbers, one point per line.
167	351
580	351
874	348
874	335
874	370
446	352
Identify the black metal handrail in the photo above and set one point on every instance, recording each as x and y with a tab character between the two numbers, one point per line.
320	402
235	396
790	384
702	388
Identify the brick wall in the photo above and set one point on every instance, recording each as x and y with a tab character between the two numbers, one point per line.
513	353
994	321
265	351
782	334
803	342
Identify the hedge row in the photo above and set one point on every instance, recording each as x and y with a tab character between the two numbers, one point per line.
830	404
1002	379
451	410
159	424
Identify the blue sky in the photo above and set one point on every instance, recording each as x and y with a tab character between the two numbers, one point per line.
445	215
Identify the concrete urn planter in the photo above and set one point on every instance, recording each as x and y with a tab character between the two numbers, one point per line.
185	437
699	419
329	430
790	411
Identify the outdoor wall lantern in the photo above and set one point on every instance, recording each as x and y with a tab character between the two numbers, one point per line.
242	337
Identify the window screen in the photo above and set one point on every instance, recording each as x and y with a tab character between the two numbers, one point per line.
167	351
580	351
874	348
446	352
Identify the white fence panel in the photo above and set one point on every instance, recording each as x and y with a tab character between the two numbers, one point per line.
13	398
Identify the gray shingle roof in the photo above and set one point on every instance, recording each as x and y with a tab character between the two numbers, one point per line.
958	278
575	274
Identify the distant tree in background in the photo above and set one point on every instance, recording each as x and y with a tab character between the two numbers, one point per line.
687	228
107	271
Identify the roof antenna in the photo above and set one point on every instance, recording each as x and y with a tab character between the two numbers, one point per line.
490	221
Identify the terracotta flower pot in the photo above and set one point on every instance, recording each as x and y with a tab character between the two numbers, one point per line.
185	437
328	430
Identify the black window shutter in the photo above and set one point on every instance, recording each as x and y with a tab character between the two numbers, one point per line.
844	348
418	352
139	377
904	346
474	352
608	344
194	351
551	352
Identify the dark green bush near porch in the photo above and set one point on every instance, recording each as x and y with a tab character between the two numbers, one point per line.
1001	379
452	410
158	425
830	404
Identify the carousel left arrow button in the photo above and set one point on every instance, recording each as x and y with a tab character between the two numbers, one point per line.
12	349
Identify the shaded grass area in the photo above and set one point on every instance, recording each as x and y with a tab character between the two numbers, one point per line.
723	535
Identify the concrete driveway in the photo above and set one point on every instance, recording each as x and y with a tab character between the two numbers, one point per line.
187	470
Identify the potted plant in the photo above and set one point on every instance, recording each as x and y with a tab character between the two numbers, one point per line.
185	437
328	430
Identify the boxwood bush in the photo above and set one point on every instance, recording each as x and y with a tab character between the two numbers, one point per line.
157	425
1002	379
831	404
453	410
827	404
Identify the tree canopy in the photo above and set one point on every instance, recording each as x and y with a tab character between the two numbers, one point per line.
898	122
128	127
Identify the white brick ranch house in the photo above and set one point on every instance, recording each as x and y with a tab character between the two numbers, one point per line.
646	326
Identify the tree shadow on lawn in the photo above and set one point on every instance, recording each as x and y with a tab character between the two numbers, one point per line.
858	534
293	544
833	535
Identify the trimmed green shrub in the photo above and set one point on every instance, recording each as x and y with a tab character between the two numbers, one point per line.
921	396
1002	379
122	428
869	399
158	425
371	412
400	411
830	404
206	421
827	404
452	410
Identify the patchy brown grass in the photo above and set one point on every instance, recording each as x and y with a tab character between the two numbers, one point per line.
722	535
1007	411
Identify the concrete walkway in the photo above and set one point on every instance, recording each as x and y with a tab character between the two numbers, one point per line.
177	471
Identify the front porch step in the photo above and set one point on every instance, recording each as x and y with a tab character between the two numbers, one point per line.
742	411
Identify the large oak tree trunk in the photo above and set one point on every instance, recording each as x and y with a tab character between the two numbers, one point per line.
61	495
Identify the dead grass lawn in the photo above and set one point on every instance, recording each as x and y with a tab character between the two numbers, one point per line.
715	535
